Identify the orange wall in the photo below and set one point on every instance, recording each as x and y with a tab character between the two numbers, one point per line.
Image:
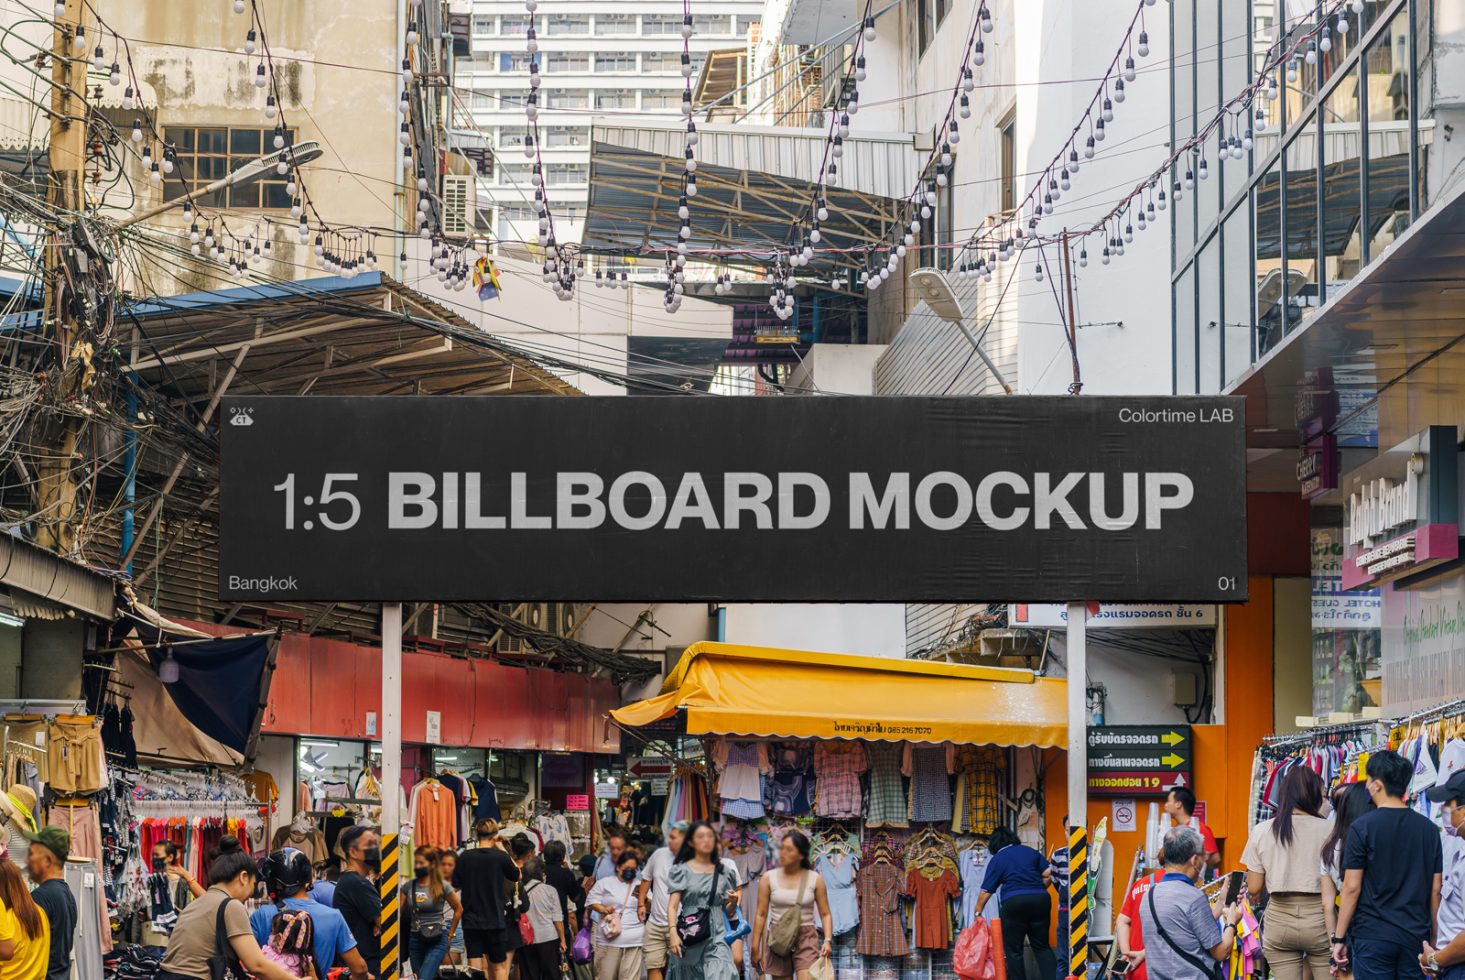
1223	753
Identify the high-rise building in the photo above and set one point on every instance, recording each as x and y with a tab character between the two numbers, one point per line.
595	59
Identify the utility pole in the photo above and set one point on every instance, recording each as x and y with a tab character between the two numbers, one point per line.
60	433
1072	317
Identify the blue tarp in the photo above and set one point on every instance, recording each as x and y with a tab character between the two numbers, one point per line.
220	685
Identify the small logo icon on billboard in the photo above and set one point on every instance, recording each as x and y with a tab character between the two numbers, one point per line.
242	416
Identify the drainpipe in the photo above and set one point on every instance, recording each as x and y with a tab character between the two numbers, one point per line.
129	490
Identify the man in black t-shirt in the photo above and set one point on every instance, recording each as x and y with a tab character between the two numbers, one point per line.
481	878
1392	867
357	897
45	863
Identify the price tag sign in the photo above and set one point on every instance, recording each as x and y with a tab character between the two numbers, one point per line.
577	801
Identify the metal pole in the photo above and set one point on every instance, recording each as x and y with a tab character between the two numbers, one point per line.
1072	315
1078	789
391	728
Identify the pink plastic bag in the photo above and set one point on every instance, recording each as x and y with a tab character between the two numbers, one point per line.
973	957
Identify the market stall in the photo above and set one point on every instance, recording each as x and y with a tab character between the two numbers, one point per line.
898	769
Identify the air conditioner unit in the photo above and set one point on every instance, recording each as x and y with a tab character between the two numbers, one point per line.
457	204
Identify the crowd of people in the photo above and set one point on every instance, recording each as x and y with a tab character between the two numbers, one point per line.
1356	883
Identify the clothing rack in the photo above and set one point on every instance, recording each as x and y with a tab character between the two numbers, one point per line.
1316	734
1436	713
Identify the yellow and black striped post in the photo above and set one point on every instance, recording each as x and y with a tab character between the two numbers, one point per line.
1078	902
391	966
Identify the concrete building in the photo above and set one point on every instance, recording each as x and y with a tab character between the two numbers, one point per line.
596	58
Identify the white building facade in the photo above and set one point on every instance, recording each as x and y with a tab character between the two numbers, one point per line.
595	59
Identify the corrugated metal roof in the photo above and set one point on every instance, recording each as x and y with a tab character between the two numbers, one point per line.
882	164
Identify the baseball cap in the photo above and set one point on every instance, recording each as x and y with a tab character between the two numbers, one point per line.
54	839
1453	789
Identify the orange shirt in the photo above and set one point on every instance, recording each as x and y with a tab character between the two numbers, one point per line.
435	809
933	910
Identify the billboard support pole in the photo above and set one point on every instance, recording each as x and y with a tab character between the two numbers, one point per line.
1078	797
391	730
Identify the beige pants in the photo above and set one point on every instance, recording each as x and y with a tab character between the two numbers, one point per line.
1295	938
617	962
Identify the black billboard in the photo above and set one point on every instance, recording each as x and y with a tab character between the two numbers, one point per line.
779	499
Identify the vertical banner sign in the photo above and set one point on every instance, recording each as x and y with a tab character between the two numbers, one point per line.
391	912
1078	902
1035	499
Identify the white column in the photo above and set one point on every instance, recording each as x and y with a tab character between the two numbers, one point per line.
1078	715
391	727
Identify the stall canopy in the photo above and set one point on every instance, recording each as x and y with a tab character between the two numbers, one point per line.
757	691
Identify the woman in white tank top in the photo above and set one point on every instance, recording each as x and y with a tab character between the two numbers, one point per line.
778	892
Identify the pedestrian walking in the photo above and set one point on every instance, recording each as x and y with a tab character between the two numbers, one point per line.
1446	956
1392	867
703	894
620	930
541	959
558	875
1024	876
45	863
616	842
483	878
357	896
785	939
288	875
447	864
1349	803
1180	807
436	913
1282	857
219	913
1183	939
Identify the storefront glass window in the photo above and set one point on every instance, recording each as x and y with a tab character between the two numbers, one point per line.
1342	185
1346	632
1424	91
1270	318
1183	82
1211	332
1185	353
1236	289
1234	52
1387	86
1302	227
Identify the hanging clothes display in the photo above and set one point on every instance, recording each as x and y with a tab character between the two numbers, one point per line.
789	791
887	797
434	815
838	767
879	884
972	866
929	768
978	771
741	767
932	890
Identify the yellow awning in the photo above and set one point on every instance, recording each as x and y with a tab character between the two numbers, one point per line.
728	689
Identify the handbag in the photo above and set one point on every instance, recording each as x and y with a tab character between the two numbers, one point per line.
695	927
784	935
1213	969
223	964
610	925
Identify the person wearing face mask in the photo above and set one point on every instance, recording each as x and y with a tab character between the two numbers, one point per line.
613	900
1392	867
430	898
1183	940
195	939
1447	956
357	896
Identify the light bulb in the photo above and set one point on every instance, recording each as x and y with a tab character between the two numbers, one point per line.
1143	47
1129	69
986	21
1325	43
869	28
1342	24
239	6
260	80
966	108
79	41
99	58
1311	56
168	671
249	42
115	77
270	108
1083	259
1119	93
1107	112
860	73
412	37
979	53
136	131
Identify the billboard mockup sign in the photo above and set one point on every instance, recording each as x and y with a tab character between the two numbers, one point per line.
843	499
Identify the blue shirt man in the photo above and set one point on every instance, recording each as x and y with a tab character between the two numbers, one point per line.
332	937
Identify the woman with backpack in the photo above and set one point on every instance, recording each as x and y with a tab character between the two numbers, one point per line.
785	942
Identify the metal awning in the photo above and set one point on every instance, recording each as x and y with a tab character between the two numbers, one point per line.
752	188
1389	344
36	578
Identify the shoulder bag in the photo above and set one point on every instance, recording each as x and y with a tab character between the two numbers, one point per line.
695	927
1212	969
223	964
784	935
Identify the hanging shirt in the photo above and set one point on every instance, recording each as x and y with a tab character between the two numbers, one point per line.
434	816
838	767
933	911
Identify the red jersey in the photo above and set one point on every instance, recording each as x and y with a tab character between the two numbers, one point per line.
1130	910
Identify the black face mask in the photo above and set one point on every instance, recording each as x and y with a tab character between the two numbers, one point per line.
421	873
159	864
628	874
373	858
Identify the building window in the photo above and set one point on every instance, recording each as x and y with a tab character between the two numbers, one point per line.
206	153
515	173
615	23
614	63
661	23
567	173
484	25
1007	147
508	216
512	97
565	62
514	26
671	61
512	62
662	99
929	15
560	24
746	25
512	136
559	137
713	24
484	100
615	98
567	98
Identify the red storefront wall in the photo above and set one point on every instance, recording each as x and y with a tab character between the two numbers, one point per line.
325	688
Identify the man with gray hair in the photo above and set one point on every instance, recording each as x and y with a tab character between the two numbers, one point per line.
1183	940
